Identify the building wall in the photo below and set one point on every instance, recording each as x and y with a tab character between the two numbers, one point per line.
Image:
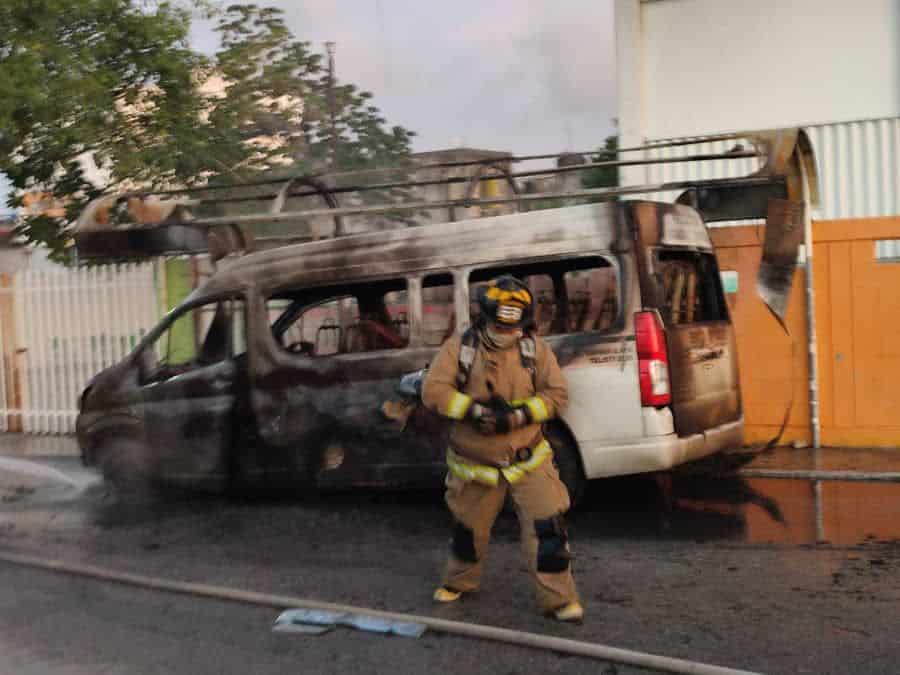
707	66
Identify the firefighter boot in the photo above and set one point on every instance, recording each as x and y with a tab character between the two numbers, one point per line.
444	594
573	613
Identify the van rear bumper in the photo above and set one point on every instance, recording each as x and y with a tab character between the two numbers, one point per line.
657	453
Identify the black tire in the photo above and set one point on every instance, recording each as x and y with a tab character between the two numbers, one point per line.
567	461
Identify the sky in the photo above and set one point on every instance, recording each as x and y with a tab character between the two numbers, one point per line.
524	76
527	76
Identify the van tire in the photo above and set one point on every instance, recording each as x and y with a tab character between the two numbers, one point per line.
568	461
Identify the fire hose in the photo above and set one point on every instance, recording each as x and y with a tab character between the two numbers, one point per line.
477	631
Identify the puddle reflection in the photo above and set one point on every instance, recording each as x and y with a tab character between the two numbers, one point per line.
753	510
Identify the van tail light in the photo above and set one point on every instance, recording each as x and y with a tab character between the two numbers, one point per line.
653	359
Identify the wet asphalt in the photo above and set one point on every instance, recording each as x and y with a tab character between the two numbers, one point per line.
771	575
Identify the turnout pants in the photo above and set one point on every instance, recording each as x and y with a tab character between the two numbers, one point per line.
540	500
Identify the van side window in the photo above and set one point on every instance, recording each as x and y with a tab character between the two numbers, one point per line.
691	288
542	290
201	336
342	320
593	299
438	316
570	296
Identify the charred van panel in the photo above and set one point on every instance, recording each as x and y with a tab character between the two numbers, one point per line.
703	368
407	250
272	418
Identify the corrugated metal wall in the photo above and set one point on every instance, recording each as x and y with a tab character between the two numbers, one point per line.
859	168
858	162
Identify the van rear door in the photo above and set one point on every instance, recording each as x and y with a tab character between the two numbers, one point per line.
680	278
700	341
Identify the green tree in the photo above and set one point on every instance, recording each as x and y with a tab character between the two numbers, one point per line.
106	79
116	84
603	176
278	88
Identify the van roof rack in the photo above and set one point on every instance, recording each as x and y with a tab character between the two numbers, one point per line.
195	220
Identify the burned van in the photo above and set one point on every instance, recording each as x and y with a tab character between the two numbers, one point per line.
294	355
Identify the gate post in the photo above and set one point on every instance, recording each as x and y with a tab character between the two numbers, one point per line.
9	372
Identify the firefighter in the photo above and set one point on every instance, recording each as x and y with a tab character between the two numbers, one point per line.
500	383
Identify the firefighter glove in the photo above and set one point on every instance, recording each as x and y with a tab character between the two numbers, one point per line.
483	417
493	422
510	420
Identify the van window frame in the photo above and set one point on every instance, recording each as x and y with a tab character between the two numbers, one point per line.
616	326
179	311
419	302
715	275
412	283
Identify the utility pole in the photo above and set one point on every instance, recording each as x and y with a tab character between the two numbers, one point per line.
330	47
332	113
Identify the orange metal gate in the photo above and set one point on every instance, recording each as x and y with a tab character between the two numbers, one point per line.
858	332
858	327
773	367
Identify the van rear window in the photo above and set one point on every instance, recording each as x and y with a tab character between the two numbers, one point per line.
690	288
570	296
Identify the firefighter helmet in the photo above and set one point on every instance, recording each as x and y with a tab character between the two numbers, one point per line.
506	301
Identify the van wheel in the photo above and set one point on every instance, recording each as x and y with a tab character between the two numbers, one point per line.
567	461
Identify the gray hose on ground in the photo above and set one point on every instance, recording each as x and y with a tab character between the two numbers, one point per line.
515	637
790	474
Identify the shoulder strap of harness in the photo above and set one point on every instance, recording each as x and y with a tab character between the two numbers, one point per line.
466	357
528	353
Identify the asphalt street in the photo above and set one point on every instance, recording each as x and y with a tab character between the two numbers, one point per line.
765	575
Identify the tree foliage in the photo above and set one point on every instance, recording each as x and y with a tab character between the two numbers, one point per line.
266	69
98	95
279	100
603	176
108	79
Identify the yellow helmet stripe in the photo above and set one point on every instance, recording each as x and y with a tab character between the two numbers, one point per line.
500	295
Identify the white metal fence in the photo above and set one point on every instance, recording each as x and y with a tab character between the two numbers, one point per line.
57	329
